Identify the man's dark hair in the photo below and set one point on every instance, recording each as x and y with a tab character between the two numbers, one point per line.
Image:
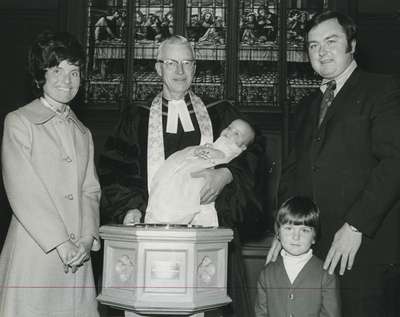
346	22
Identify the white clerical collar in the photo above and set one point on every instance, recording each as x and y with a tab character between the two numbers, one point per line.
177	109
341	79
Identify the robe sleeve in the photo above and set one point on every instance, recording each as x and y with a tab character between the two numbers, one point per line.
122	169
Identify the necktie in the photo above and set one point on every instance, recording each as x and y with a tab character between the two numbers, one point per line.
326	100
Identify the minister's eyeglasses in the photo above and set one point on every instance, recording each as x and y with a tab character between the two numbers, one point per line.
173	64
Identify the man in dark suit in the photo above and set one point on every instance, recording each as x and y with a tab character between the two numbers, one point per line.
346	156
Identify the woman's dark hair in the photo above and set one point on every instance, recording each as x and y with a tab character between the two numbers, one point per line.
299	210
346	22
49	50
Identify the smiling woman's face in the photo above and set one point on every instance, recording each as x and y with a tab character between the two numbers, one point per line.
62	82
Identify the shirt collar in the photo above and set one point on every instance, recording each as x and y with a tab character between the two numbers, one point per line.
296	258
39	114
341	79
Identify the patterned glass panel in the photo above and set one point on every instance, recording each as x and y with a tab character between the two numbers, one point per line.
206	28
302	80
106	48
258	55
154	22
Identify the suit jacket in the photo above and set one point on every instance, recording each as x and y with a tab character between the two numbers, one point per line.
350	165
314	292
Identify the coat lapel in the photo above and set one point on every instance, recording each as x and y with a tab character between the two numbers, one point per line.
340	107
341	102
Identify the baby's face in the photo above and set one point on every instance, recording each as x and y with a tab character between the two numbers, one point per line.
238	132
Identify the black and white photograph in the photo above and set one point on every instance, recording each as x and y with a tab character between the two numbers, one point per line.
204	158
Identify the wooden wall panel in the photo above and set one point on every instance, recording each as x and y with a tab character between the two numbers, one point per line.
19	28
378	48
20	22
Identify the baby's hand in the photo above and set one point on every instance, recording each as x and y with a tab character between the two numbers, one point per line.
132	216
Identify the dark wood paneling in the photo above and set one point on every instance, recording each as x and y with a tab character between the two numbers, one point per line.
72	17
19	25
19	28
378	47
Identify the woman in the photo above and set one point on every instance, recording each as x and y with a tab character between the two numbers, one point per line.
52	186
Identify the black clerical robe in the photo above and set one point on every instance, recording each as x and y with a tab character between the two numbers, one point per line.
123	176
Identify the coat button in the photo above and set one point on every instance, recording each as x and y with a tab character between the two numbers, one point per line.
72	236
69	197
318	139
68	159
291	296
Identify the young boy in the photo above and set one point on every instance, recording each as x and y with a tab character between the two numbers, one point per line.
296	284
175	195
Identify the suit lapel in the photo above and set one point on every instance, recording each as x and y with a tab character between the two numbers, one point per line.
340	107
341	102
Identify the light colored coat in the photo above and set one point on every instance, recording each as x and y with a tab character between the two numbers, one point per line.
52	186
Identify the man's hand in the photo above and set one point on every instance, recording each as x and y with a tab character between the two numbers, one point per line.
344	247
214	182
132	216
273	253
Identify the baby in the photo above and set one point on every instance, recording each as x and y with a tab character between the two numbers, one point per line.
174	195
